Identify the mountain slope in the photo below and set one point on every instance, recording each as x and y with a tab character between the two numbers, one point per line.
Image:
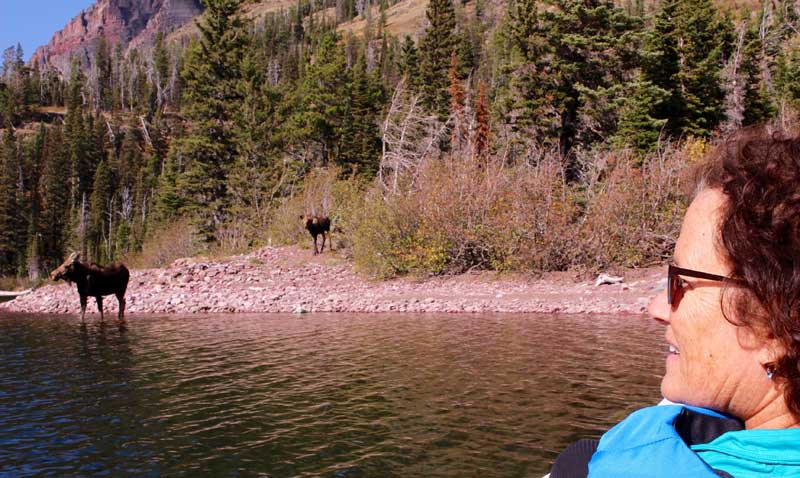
126	22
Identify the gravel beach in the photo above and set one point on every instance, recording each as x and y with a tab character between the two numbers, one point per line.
291	279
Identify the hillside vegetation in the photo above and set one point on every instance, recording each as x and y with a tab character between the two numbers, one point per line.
528	136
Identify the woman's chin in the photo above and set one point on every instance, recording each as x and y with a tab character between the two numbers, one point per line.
671	389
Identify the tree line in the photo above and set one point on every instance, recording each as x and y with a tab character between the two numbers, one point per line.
224	127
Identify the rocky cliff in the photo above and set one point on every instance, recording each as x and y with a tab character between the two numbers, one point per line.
130	23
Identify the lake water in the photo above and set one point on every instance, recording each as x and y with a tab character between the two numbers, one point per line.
315	395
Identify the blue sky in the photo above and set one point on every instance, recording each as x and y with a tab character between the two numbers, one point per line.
33	22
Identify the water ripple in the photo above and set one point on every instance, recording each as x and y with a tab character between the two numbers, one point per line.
319	395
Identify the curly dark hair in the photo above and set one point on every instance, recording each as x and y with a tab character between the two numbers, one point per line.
759	173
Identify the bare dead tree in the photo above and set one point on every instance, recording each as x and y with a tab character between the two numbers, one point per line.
82	222
94	86
107	236
174	77
145	132
126	204
733	83
361	6
370	57
273	71
111	135
121	70
408	136
765	30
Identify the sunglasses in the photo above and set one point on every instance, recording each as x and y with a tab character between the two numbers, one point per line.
675	283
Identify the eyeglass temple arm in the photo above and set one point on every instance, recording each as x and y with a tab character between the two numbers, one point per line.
700	274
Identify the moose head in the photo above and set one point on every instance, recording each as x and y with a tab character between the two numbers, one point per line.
67	268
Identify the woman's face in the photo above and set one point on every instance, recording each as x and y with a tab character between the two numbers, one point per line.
711	363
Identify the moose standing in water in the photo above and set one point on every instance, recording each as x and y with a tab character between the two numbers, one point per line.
317	225
94	281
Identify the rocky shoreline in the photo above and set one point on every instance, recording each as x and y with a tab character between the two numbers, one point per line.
290	279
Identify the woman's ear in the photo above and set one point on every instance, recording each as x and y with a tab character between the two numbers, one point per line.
770	352
766	347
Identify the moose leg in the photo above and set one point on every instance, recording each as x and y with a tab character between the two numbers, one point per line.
315	245
99	300
83	308
323	243
121	300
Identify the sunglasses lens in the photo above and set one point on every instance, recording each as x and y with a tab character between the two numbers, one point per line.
672	285
674	288
670	288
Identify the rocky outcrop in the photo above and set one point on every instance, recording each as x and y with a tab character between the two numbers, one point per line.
130	23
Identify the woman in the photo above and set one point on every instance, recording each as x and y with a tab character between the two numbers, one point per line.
732	317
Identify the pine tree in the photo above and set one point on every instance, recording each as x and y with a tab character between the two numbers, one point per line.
75	136
130	156
467	54
565	65
686	51
526	98
102	66
298	29
118	79
410	63
33	168
637	126
703	40
256	178
33	86
7	107
169	201
101	215
757	104
145	93
95	145
317	118
55	194
787	77
9	252
161	64
593	46
212	72
360	144
458	132
661	66
435	49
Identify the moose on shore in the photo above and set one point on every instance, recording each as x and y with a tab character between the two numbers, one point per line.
317	225
94	281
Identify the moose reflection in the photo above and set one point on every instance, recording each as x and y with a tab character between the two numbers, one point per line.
94	281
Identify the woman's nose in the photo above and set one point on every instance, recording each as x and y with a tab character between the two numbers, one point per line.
659	308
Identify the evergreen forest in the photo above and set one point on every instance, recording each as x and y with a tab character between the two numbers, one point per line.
527	135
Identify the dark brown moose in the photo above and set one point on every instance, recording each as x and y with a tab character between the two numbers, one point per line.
317	225
94	281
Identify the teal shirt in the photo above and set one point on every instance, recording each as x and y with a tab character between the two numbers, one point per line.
754	453
647	445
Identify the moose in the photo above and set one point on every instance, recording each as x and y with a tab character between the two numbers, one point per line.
94	281
317	225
